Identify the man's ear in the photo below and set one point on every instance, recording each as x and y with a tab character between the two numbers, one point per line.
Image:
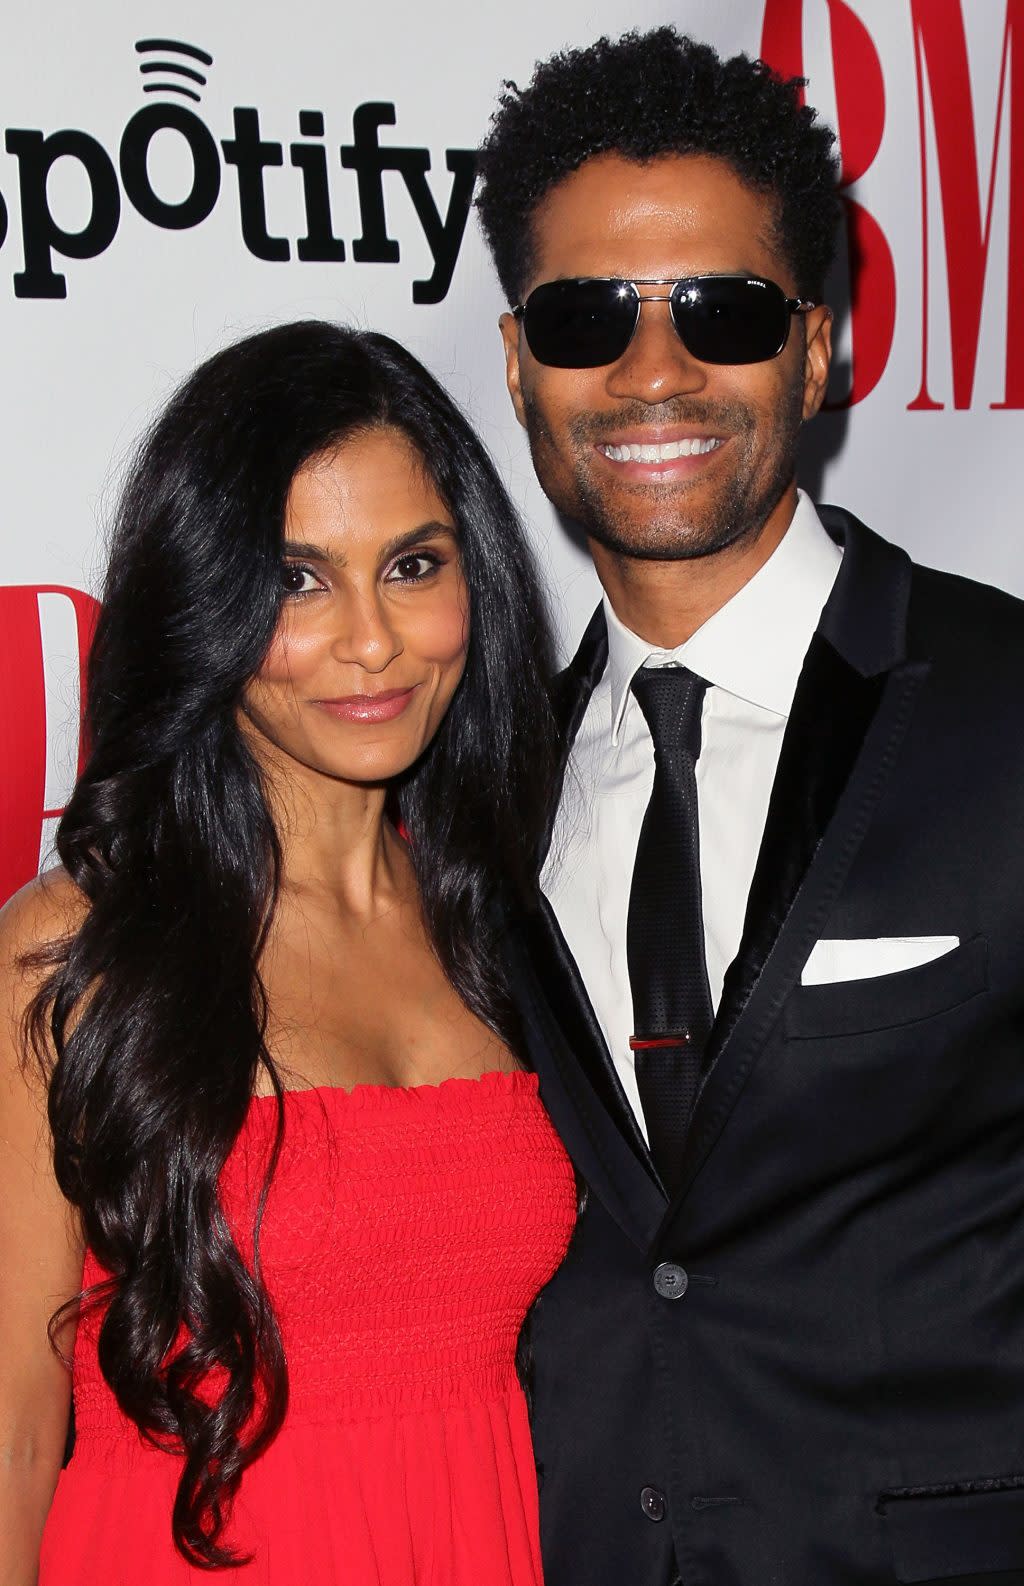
817	357
509	327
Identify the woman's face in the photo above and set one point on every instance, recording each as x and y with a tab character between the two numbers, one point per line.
371	641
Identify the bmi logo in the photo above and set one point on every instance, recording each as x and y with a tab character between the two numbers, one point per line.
957	179
173	67
45	632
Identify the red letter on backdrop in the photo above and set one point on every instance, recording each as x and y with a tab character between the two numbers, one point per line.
940	48
23	723
860	111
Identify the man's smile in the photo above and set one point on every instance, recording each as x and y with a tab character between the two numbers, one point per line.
666	452
666	459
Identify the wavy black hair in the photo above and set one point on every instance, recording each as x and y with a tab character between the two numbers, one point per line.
645	95
151	1021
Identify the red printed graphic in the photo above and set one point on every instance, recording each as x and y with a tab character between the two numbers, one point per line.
940	58
943	88
24	725
860	112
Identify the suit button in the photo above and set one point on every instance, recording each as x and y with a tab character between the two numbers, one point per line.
670	1280
652	1502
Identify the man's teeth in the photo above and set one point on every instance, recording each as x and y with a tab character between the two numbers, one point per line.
661	454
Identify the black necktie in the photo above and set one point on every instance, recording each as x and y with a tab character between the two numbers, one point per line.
672	1013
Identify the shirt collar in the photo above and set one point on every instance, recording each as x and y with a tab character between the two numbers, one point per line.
754	645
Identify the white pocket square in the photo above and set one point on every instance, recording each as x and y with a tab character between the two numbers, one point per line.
862	958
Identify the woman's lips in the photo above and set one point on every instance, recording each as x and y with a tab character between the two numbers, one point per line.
384	706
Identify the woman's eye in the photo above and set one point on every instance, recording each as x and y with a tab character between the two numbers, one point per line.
296	580
417	565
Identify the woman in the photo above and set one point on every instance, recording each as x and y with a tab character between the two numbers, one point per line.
291	1162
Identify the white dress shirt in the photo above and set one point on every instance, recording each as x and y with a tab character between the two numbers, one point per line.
750	652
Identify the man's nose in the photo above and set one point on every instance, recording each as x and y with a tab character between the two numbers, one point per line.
655	366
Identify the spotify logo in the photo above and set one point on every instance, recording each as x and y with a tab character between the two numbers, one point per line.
230	169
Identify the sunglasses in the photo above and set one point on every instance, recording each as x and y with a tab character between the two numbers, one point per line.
590	321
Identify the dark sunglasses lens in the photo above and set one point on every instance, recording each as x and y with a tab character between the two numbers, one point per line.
725	321
579	324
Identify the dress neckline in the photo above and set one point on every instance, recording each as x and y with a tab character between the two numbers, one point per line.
456	1085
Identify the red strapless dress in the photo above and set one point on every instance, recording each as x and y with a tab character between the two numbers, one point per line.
406	1233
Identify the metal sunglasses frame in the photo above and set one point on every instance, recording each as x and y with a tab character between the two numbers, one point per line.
629	288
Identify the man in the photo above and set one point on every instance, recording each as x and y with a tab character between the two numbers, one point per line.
774	986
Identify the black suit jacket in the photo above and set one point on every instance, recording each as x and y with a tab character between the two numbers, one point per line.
837	1399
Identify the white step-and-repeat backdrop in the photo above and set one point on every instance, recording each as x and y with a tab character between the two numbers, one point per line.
174	174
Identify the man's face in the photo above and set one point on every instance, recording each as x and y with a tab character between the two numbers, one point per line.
676	216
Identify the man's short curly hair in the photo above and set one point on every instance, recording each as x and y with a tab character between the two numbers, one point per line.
649	94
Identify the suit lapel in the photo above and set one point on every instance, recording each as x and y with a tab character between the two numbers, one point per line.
571	696
832	710
559	980
581	1053
851	710
578	1085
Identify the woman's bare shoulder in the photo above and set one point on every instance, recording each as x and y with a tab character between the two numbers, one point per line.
40	914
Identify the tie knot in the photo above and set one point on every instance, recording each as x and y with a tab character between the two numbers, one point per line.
671	698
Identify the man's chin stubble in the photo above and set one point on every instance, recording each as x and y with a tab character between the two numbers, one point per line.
674	542
669	536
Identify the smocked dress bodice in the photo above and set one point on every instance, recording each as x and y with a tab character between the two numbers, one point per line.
405	1235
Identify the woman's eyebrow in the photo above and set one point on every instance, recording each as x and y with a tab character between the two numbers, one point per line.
307	549
431	530
425	531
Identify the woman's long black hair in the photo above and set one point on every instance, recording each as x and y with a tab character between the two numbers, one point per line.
153	1013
